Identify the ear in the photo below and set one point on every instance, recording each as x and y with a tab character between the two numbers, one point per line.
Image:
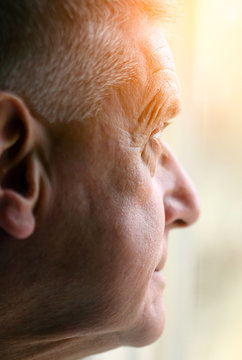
19	167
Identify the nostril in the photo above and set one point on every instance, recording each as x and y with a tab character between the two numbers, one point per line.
179	223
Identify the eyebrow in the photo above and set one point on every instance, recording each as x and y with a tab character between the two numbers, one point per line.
158	111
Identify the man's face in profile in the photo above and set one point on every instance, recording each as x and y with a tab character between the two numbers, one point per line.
115	190
120	193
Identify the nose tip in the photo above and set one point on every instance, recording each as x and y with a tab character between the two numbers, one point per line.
193	204
181	202
182	207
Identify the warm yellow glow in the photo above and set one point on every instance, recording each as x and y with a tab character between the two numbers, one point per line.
204	270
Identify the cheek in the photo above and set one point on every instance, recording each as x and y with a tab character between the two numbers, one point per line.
116	245
128	250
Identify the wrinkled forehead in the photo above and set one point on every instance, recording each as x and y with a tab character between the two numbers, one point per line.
155	73
144	31
111	43
118	11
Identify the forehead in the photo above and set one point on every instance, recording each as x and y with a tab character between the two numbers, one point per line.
155	70
156	10
152	76
126	59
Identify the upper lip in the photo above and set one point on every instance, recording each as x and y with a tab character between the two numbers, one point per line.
163	257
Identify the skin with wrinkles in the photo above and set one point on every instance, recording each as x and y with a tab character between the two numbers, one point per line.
100	199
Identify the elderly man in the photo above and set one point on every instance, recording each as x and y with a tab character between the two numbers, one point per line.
88	189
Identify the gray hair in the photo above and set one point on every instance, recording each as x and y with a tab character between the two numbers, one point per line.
57	53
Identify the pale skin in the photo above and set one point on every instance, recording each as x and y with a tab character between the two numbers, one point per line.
85	245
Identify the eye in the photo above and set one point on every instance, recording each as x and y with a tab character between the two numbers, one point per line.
153	150
155	142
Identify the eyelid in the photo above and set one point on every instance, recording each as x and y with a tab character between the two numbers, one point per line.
156	139
156	142
157	133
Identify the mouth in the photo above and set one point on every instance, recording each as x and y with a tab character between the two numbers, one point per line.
160	266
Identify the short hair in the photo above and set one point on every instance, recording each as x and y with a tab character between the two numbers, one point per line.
54	53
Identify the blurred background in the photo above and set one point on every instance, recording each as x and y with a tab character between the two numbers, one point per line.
203	295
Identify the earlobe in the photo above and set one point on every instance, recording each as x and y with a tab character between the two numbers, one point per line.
16	216
19	168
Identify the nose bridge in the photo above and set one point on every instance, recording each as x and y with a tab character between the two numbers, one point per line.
180	197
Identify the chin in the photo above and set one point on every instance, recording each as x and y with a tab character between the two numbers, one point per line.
149	332
151	321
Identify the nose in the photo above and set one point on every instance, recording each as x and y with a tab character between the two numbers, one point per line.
181	202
